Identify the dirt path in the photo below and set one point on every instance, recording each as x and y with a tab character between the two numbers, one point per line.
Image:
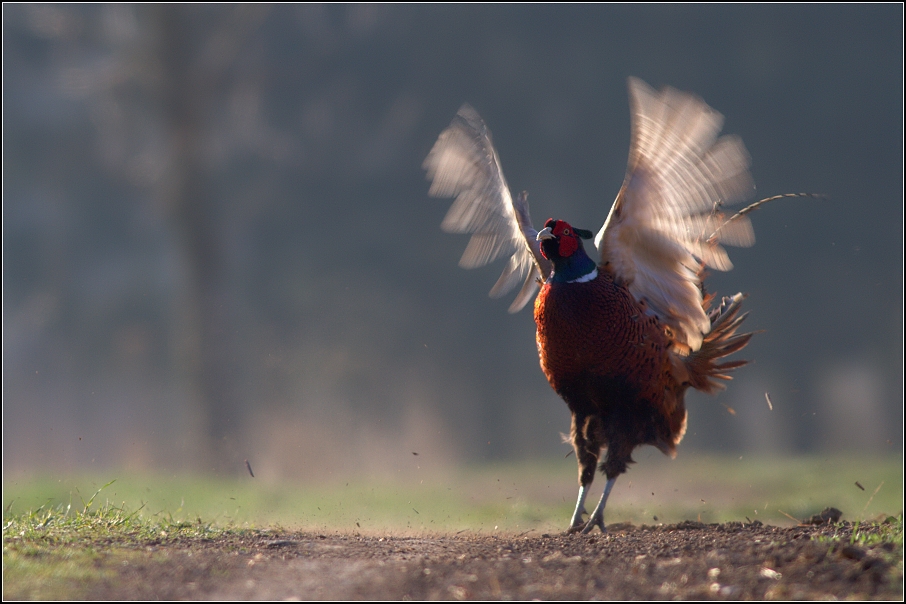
684	561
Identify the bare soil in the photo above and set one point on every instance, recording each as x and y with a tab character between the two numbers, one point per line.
685	561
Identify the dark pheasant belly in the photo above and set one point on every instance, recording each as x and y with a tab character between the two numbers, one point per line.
623	411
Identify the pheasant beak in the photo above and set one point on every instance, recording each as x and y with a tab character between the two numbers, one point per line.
545	233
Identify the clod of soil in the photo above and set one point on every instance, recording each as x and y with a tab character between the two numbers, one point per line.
827	516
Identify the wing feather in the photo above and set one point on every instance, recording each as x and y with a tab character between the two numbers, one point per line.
464	164
664	223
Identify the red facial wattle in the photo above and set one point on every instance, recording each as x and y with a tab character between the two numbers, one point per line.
569	243
567	239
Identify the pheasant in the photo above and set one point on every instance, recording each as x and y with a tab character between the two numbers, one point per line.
622	335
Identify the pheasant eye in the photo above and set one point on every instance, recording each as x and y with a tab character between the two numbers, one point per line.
566	231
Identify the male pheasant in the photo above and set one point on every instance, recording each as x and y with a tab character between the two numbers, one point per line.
620	337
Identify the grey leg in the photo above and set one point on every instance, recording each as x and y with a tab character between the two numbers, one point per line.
576	523
597	517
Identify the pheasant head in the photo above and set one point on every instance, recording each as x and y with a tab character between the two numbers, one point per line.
562	245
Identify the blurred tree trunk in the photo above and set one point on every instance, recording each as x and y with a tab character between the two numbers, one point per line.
195	62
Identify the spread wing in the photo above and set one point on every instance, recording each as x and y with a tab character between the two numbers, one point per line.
463	164
666	221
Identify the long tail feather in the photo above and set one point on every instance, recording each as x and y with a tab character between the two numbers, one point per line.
754	206
720	342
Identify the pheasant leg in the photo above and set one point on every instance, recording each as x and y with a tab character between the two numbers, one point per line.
597	517
576	523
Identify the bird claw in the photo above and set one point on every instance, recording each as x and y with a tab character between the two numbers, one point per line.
592	523
586	527
575	529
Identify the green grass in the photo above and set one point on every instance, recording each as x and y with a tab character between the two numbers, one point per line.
511	497
883	538
876	533
58	551
57	543
869	534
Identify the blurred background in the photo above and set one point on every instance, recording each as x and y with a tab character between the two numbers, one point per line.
218	243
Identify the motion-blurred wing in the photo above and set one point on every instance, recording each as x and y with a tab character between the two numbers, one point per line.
664	223
463	164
